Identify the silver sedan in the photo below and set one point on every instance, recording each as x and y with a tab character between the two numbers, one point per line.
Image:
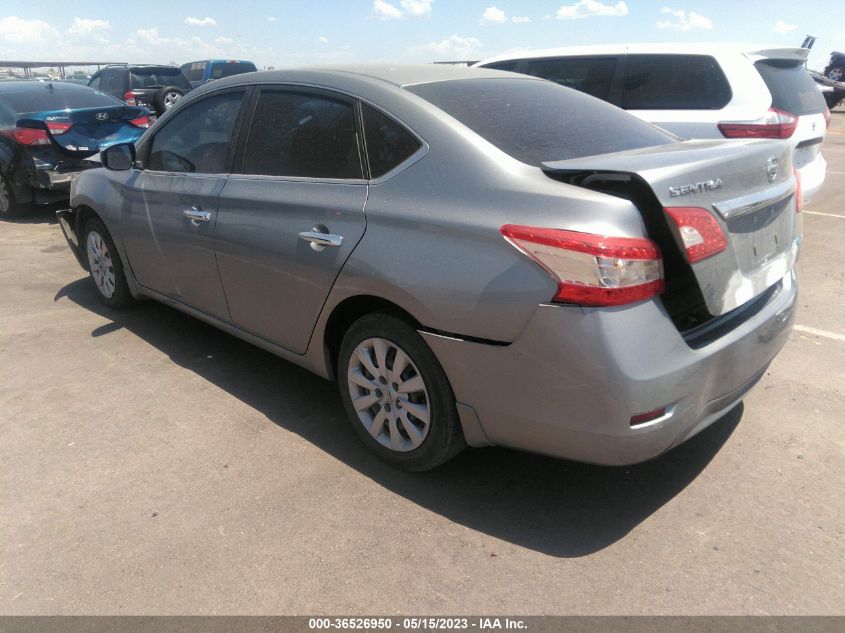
476	257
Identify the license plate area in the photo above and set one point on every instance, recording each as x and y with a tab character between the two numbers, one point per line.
761	236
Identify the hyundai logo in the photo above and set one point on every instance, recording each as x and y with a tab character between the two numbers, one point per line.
102	116
772	168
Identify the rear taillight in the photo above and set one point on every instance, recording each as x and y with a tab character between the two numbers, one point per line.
700	232
27	136
141	121
799	192
57	128
129	98
826	113
774	124
593	270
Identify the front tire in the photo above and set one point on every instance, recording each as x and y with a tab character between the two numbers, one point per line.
396	394
104	265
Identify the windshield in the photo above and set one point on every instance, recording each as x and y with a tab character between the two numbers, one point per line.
538	121
43	98
791	86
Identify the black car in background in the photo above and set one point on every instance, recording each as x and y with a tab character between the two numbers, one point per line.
836	67
154	87
47	129
206	70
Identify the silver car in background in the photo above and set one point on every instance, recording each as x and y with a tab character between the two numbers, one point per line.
470	266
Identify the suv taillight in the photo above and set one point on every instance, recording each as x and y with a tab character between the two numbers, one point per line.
774	124
592	270
700	232
129	98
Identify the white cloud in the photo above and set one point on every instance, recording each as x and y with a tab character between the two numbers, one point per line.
15	29
587	8
272	19
520	19
201	21
455	46
685	21
323	40
784	27
83	26
385	10
417	8
223	40
493	15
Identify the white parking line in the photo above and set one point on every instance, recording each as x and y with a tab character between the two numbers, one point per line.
836	172
828	215
824	333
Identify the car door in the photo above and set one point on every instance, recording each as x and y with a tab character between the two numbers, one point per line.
292	216
169	218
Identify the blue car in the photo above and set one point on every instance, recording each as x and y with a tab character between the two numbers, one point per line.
47	130
205	70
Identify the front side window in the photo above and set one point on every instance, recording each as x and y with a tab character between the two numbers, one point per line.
674	82
388	143
302	135
197	139
592	75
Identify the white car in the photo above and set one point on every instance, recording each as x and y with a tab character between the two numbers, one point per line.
698	91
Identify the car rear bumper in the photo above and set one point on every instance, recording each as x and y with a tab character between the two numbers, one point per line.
812	176
569	385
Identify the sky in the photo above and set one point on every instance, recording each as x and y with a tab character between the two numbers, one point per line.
297	33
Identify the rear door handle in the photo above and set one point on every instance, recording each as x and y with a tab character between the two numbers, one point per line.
320	240
197	215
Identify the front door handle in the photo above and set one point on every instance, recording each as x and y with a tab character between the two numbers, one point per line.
197	215
320	240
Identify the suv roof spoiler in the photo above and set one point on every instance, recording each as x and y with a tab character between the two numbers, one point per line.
793	53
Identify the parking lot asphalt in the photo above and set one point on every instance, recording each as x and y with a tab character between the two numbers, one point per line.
151	464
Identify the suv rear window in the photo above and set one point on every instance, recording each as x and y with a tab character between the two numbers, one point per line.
158	77
791	86
674	82
537	121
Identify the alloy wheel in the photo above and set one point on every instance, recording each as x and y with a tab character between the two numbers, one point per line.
170	99
389	394
100	263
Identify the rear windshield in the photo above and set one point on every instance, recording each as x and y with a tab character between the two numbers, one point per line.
537	121
218	71
152	77
44	99
791	86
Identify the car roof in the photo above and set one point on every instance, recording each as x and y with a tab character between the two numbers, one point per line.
749	50
34	85
401	75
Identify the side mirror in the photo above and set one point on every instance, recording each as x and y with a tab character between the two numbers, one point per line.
118	157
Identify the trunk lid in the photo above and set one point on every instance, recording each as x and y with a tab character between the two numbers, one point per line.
748	186
93	129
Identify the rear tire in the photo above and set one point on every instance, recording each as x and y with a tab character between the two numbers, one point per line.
9	205
104	265
404	414
166	98
836	73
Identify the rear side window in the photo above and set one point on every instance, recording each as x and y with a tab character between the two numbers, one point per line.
158	77
791	86
302	135
509	66
41	97
674	82
538	121
388	143
194	71
197	139
592	75
227	69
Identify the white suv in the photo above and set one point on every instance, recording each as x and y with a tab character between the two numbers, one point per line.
698	91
